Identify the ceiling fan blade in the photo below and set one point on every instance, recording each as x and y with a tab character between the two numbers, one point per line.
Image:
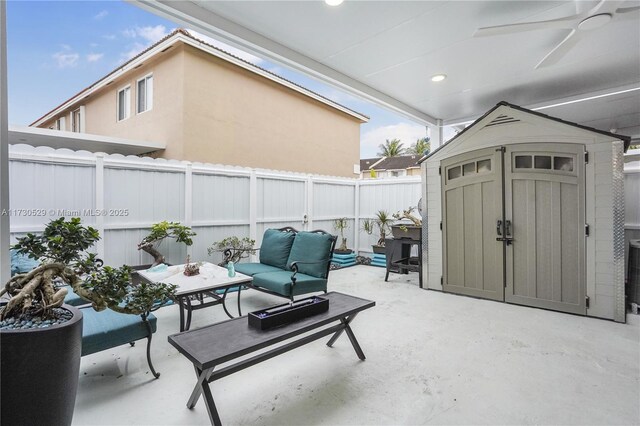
627	9
560	50
567	22
605	6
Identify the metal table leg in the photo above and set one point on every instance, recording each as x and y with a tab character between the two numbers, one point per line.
182	308
352	337
224	305
202	387
189	311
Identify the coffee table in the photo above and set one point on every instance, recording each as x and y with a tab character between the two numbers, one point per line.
192	292
209	347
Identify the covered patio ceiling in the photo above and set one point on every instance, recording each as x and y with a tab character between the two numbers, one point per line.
388	51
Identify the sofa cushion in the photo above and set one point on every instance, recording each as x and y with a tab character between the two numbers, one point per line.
280	282
275	248
21	263
254	268
107	329
314	248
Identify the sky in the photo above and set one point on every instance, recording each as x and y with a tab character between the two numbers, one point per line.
57	48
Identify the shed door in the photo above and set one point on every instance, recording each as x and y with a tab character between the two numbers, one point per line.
544	209
472	203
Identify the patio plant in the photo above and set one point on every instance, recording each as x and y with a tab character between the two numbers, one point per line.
233	249
41	337
62	252
161	231
404	230
383	222
340	225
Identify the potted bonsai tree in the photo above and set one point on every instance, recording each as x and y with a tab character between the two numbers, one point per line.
411	230
40	337
383	222
233	249
159	232
341	225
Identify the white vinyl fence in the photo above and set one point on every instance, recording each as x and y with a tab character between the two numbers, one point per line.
123	196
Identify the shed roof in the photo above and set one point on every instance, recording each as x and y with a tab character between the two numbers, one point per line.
625	139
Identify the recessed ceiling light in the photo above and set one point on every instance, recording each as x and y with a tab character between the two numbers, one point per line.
333	2
438	77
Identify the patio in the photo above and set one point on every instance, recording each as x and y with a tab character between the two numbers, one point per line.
431	358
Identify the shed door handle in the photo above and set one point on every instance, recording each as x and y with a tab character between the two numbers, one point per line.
499	227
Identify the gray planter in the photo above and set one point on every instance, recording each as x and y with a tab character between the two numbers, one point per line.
379	249
39	370
412	232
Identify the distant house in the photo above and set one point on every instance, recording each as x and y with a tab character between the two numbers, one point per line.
383	167
207	105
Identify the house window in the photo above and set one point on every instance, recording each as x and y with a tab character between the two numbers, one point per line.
76	121
60	124
145	94
124	103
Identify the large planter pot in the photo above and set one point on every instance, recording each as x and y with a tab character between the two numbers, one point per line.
412	232
39	370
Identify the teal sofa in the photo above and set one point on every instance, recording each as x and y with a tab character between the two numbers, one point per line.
107	329
291	262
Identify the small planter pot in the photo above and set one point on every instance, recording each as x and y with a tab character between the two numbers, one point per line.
40	368
337	251
412	232
378	249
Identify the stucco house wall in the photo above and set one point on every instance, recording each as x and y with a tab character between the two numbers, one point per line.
234	116
208	109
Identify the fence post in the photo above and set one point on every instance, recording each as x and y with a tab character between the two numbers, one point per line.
309	224
188	200
99	202
5	226
253	208
356	213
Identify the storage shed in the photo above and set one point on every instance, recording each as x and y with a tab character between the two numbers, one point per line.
528	209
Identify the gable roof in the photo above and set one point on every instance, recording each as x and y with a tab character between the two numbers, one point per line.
367	163
625	139
181	34
398	162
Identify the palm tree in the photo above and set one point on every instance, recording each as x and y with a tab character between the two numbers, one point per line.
391	148
421	147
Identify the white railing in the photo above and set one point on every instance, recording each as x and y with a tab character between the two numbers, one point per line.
123	196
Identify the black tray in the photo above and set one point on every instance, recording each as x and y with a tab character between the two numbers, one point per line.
284	314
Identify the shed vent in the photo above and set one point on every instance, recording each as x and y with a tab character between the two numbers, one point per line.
502	119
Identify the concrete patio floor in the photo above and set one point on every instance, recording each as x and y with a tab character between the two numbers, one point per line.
432	358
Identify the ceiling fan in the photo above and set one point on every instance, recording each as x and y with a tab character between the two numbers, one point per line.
596	17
